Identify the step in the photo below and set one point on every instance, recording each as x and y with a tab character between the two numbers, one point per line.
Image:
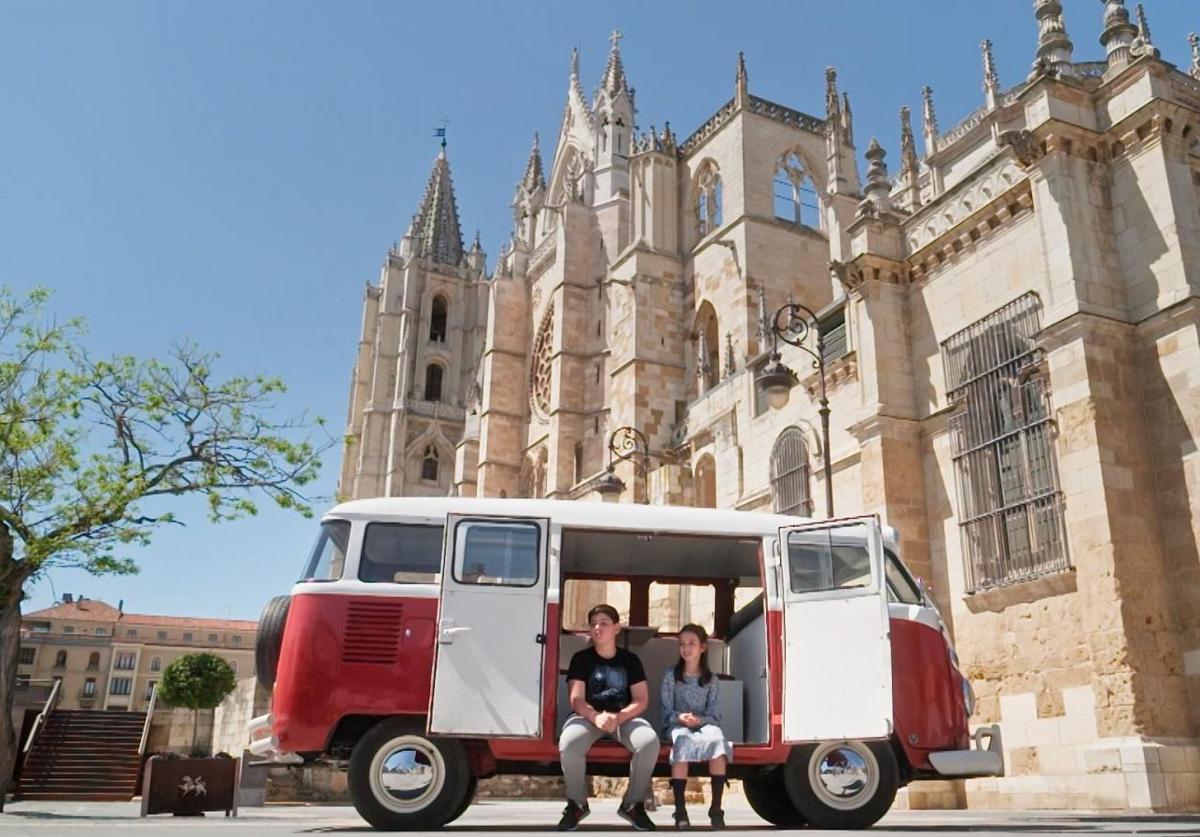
70	796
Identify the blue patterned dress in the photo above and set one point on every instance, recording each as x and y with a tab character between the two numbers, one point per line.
704	742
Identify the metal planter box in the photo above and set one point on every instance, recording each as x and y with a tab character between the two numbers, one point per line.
190	786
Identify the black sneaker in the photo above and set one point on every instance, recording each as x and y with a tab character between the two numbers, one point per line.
717	817
635	814
573	814
681	820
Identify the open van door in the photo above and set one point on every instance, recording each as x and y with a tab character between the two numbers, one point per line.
837	681
491	637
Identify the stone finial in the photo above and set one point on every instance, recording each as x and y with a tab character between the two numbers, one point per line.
534	178
929	119
730	360
703	362
991	78
476	244
1143	44
908	145
1118	34
847	119
668	138
741	85
764	320
1055	50
1194	42
832	107
878	189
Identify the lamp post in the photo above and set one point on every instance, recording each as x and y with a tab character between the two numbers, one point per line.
792	324
625	444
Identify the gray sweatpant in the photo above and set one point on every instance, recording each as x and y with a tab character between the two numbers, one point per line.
578	736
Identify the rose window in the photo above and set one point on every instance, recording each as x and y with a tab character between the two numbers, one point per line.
540	378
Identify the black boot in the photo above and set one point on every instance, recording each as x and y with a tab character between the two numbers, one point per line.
681	818
715	815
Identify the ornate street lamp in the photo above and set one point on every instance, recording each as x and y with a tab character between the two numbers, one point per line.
625	444
792	324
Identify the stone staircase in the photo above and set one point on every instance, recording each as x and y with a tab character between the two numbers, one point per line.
84	755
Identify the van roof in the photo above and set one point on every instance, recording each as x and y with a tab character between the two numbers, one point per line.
581	513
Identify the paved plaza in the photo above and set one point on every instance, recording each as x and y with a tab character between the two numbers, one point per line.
120	819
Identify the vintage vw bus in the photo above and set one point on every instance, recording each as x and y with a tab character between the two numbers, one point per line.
427	641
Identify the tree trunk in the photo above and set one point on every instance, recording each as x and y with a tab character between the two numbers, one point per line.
11	581
195	730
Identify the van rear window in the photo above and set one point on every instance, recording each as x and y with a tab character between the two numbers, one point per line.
401	552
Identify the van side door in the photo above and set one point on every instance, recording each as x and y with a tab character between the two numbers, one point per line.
837	679
491	630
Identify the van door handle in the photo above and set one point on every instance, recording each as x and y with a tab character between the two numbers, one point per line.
446	635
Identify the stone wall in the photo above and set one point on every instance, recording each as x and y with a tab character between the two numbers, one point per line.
230	719
171	730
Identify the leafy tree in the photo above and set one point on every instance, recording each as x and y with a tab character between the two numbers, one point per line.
95	452
196	681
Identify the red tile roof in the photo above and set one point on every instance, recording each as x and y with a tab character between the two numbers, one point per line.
93	610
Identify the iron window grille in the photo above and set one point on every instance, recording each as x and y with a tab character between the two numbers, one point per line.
790	471
1010	502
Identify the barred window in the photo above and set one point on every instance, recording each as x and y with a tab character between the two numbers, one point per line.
790	471
1010	504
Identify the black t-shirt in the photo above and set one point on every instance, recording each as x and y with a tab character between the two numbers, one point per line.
607	681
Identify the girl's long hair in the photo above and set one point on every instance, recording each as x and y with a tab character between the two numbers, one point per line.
705	672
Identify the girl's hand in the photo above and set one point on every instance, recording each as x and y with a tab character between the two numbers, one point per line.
689	720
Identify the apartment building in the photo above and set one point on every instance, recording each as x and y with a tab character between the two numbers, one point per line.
109	659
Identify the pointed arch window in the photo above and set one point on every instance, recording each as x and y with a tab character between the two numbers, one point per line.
790	472
94	661
706	482
433	382
708	199
438	314
578	462
708	366
796	197
429	464
60	659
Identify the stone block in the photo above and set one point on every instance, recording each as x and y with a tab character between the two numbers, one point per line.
1021	707
1100	759
1106	791
1079	701
1138	755
1060	760
1173	759
1183	791
1146	791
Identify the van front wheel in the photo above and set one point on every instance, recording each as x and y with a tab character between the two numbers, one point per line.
769	799
401	780
842	784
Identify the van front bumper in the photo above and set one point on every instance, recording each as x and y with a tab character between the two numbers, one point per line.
977	761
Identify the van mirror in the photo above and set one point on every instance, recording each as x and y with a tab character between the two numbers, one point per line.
924	590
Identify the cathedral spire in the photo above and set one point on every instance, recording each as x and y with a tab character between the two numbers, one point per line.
991	78
832	107
1055	49
438	235
741	83
614	74
929	117
534	179
878	189
1194	42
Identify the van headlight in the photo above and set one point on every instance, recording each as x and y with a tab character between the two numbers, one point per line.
968	697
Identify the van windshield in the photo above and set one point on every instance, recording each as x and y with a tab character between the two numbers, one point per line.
328	555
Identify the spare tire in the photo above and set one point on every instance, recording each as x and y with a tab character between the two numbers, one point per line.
270	640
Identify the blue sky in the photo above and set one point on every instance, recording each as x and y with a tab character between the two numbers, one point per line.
234	172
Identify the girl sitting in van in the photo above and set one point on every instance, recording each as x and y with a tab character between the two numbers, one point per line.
691	716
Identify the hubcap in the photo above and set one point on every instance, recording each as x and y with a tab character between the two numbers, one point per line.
407	774
843	775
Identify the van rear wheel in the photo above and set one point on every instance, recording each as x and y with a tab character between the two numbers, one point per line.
402	780
842	784
769	799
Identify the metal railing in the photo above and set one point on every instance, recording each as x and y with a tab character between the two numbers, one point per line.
39	723
149	718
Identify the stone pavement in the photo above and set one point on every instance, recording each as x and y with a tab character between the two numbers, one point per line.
120	819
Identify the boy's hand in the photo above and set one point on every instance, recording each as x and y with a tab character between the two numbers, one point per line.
606	721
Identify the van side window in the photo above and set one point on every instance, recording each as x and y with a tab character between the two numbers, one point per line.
901	588
401	552
489	552
820	560
328	554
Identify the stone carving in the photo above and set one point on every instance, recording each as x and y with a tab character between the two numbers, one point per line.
1024	144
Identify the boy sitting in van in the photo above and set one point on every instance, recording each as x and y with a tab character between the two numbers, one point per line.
608	693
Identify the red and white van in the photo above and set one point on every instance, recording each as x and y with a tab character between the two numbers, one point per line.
427	643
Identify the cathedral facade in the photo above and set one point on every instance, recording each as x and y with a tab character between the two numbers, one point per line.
1009	343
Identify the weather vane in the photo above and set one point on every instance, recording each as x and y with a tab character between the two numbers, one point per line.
441	132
